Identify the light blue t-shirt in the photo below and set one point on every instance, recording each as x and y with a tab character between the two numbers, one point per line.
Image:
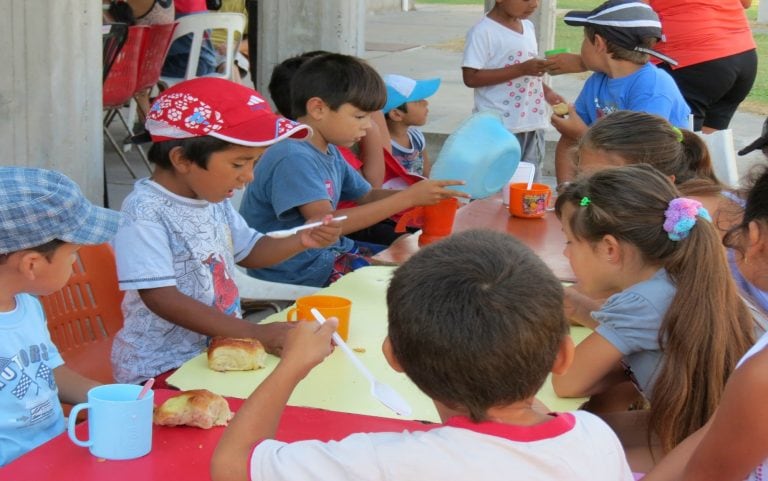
30	412
290	174
412	159
630	321
649	89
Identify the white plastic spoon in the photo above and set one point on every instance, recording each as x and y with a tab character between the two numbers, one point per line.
281	234
384	393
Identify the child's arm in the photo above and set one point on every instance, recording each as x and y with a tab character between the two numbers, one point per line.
180	309
259	416
565	63
380	204
73	387
474	78
571	126
551	96
371	153
596	367
268	251
579	307
427	166
737	441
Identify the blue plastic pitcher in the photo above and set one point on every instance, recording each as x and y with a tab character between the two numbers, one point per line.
482	152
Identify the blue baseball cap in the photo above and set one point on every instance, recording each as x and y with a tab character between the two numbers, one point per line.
39	205
402	89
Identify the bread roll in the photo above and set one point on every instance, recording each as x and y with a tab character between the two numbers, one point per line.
199	407
232	354
560	109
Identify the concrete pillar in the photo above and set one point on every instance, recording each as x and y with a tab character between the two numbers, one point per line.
543	19
290	27
50	90
762	12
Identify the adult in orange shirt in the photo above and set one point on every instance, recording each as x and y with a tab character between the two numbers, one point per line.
717	61
716	54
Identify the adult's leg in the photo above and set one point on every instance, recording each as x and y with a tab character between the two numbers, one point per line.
720	113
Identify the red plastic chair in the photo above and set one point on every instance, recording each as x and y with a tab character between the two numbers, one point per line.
157	41
85	314
119	88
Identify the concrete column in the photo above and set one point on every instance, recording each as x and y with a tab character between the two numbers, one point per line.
50	90
290	27
543	19
762	12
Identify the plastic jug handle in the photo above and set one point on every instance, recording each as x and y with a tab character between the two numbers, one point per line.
409	215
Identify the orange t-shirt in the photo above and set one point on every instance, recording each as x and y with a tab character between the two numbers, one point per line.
697	31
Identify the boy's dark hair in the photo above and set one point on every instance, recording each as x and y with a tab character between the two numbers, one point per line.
476	321
621	53
47	249
756	209
402	108
337	79
280	81
196	149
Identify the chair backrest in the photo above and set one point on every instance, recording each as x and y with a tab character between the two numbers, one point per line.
157	41
120	84
87	309
723	154
198	24
113	37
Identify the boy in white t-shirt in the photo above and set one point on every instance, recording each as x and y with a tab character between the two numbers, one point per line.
468	329
501	63
180	237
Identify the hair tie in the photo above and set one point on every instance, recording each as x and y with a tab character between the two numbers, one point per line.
585	201
679	134
681	217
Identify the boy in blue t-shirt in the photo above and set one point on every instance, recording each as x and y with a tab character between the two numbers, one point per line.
335	95
44	219
618	38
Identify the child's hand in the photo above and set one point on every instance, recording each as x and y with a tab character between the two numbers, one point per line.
272	335
321	236
429	192
553	98
571	126
307	345
565	63
535	67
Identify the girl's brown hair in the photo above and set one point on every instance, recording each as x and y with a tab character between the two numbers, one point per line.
642	138
707	328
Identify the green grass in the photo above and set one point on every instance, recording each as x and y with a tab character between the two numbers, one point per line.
454	2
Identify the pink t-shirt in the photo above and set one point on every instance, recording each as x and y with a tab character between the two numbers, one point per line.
697	31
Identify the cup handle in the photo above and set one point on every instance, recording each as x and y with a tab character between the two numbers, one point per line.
289	314
402	223
71	425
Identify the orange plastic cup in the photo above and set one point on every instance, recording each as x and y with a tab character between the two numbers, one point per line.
437	220
529	203
329	306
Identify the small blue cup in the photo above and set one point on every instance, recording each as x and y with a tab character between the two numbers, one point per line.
119	424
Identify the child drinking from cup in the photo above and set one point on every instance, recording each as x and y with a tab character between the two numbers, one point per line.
44	219
180	238
677	324
482	384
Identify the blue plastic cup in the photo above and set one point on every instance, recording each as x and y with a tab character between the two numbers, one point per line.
119	425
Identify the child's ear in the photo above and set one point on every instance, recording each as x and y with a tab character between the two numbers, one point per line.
316	107
396	115
178	161
756	241
386	348
564	357
28	264
610	248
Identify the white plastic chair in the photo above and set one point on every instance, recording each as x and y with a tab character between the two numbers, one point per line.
198	24
257	289
723	154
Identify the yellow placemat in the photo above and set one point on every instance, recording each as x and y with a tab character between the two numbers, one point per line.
335	383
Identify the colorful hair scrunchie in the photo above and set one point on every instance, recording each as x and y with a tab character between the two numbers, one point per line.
681	217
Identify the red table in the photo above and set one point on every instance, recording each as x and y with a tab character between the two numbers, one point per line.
184	452
544	235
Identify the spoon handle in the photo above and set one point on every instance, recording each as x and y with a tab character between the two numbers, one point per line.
344	347
316	224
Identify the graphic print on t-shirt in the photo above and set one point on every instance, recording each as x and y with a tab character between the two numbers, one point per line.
226	297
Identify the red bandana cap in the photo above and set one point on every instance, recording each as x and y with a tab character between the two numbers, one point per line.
222	109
